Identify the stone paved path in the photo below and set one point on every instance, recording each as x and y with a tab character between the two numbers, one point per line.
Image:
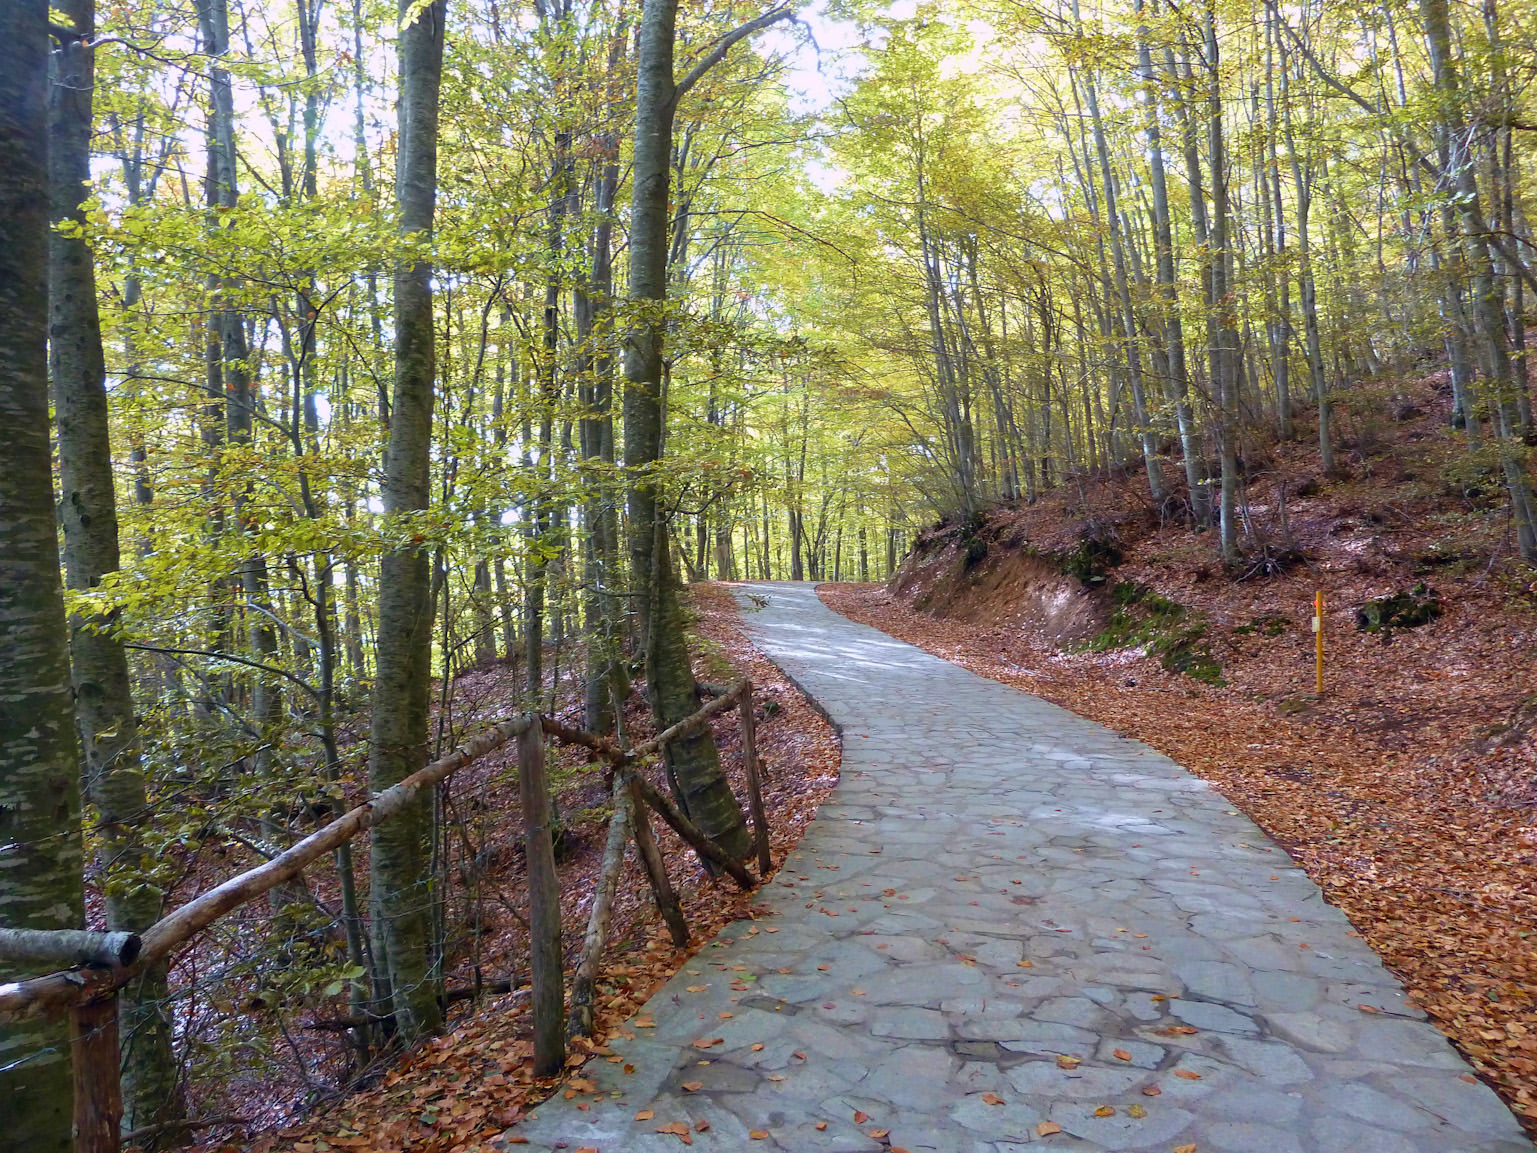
1005	902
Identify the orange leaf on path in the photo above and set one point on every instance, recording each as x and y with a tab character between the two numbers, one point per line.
1121	1055
991	1099
1047	1128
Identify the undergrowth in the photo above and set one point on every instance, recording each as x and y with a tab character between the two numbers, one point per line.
1169	631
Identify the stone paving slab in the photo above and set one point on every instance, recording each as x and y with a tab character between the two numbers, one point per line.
1005	916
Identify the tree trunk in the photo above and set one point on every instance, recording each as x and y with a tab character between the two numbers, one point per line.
400	884
1224	350
1111	221
40	848
693	762
1178	385
1487	297
104	712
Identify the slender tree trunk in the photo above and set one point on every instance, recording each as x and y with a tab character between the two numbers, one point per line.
1487	302
1111	221
400	882
1224	351
1302	179
40	847
1163	240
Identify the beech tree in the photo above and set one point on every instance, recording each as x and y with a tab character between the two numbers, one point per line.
41	883
104	708
401	895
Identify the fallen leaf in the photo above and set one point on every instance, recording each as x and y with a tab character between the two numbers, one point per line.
1187	1074
1184	1149
725	1016
821	1126
703	1043
645	1115
757	1047
1121	1055
878	1134
1368	1008
1104	1111
701	1125
1047	1128
692	1086
1136	1111
860	1118
760	1134
1065	1062
697	988
991	1099
1151	1090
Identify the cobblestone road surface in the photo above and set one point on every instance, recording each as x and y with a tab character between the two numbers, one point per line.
1011	927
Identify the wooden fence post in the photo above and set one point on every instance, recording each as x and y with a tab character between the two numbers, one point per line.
98	1087
754	785
544	904
656	868
584	984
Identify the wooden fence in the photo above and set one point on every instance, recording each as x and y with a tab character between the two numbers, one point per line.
100	964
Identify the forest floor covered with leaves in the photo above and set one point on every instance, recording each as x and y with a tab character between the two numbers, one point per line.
1408	791
460	1090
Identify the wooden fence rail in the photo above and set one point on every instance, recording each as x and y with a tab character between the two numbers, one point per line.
111	960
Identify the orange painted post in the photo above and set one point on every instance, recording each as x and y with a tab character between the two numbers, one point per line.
1318	636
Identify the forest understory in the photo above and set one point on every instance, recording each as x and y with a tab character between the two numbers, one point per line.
461	1089
1407	791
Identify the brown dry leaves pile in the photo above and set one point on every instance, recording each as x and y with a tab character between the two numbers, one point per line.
1395	792
459	1091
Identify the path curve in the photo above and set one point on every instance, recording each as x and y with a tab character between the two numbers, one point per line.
1004	902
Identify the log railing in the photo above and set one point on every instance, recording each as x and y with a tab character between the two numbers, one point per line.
109	961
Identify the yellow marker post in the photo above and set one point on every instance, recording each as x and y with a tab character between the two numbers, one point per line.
1318	636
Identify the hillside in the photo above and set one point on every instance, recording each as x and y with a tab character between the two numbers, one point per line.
1408	790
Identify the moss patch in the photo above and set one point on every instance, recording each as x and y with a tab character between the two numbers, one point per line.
1406	610
1176	636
